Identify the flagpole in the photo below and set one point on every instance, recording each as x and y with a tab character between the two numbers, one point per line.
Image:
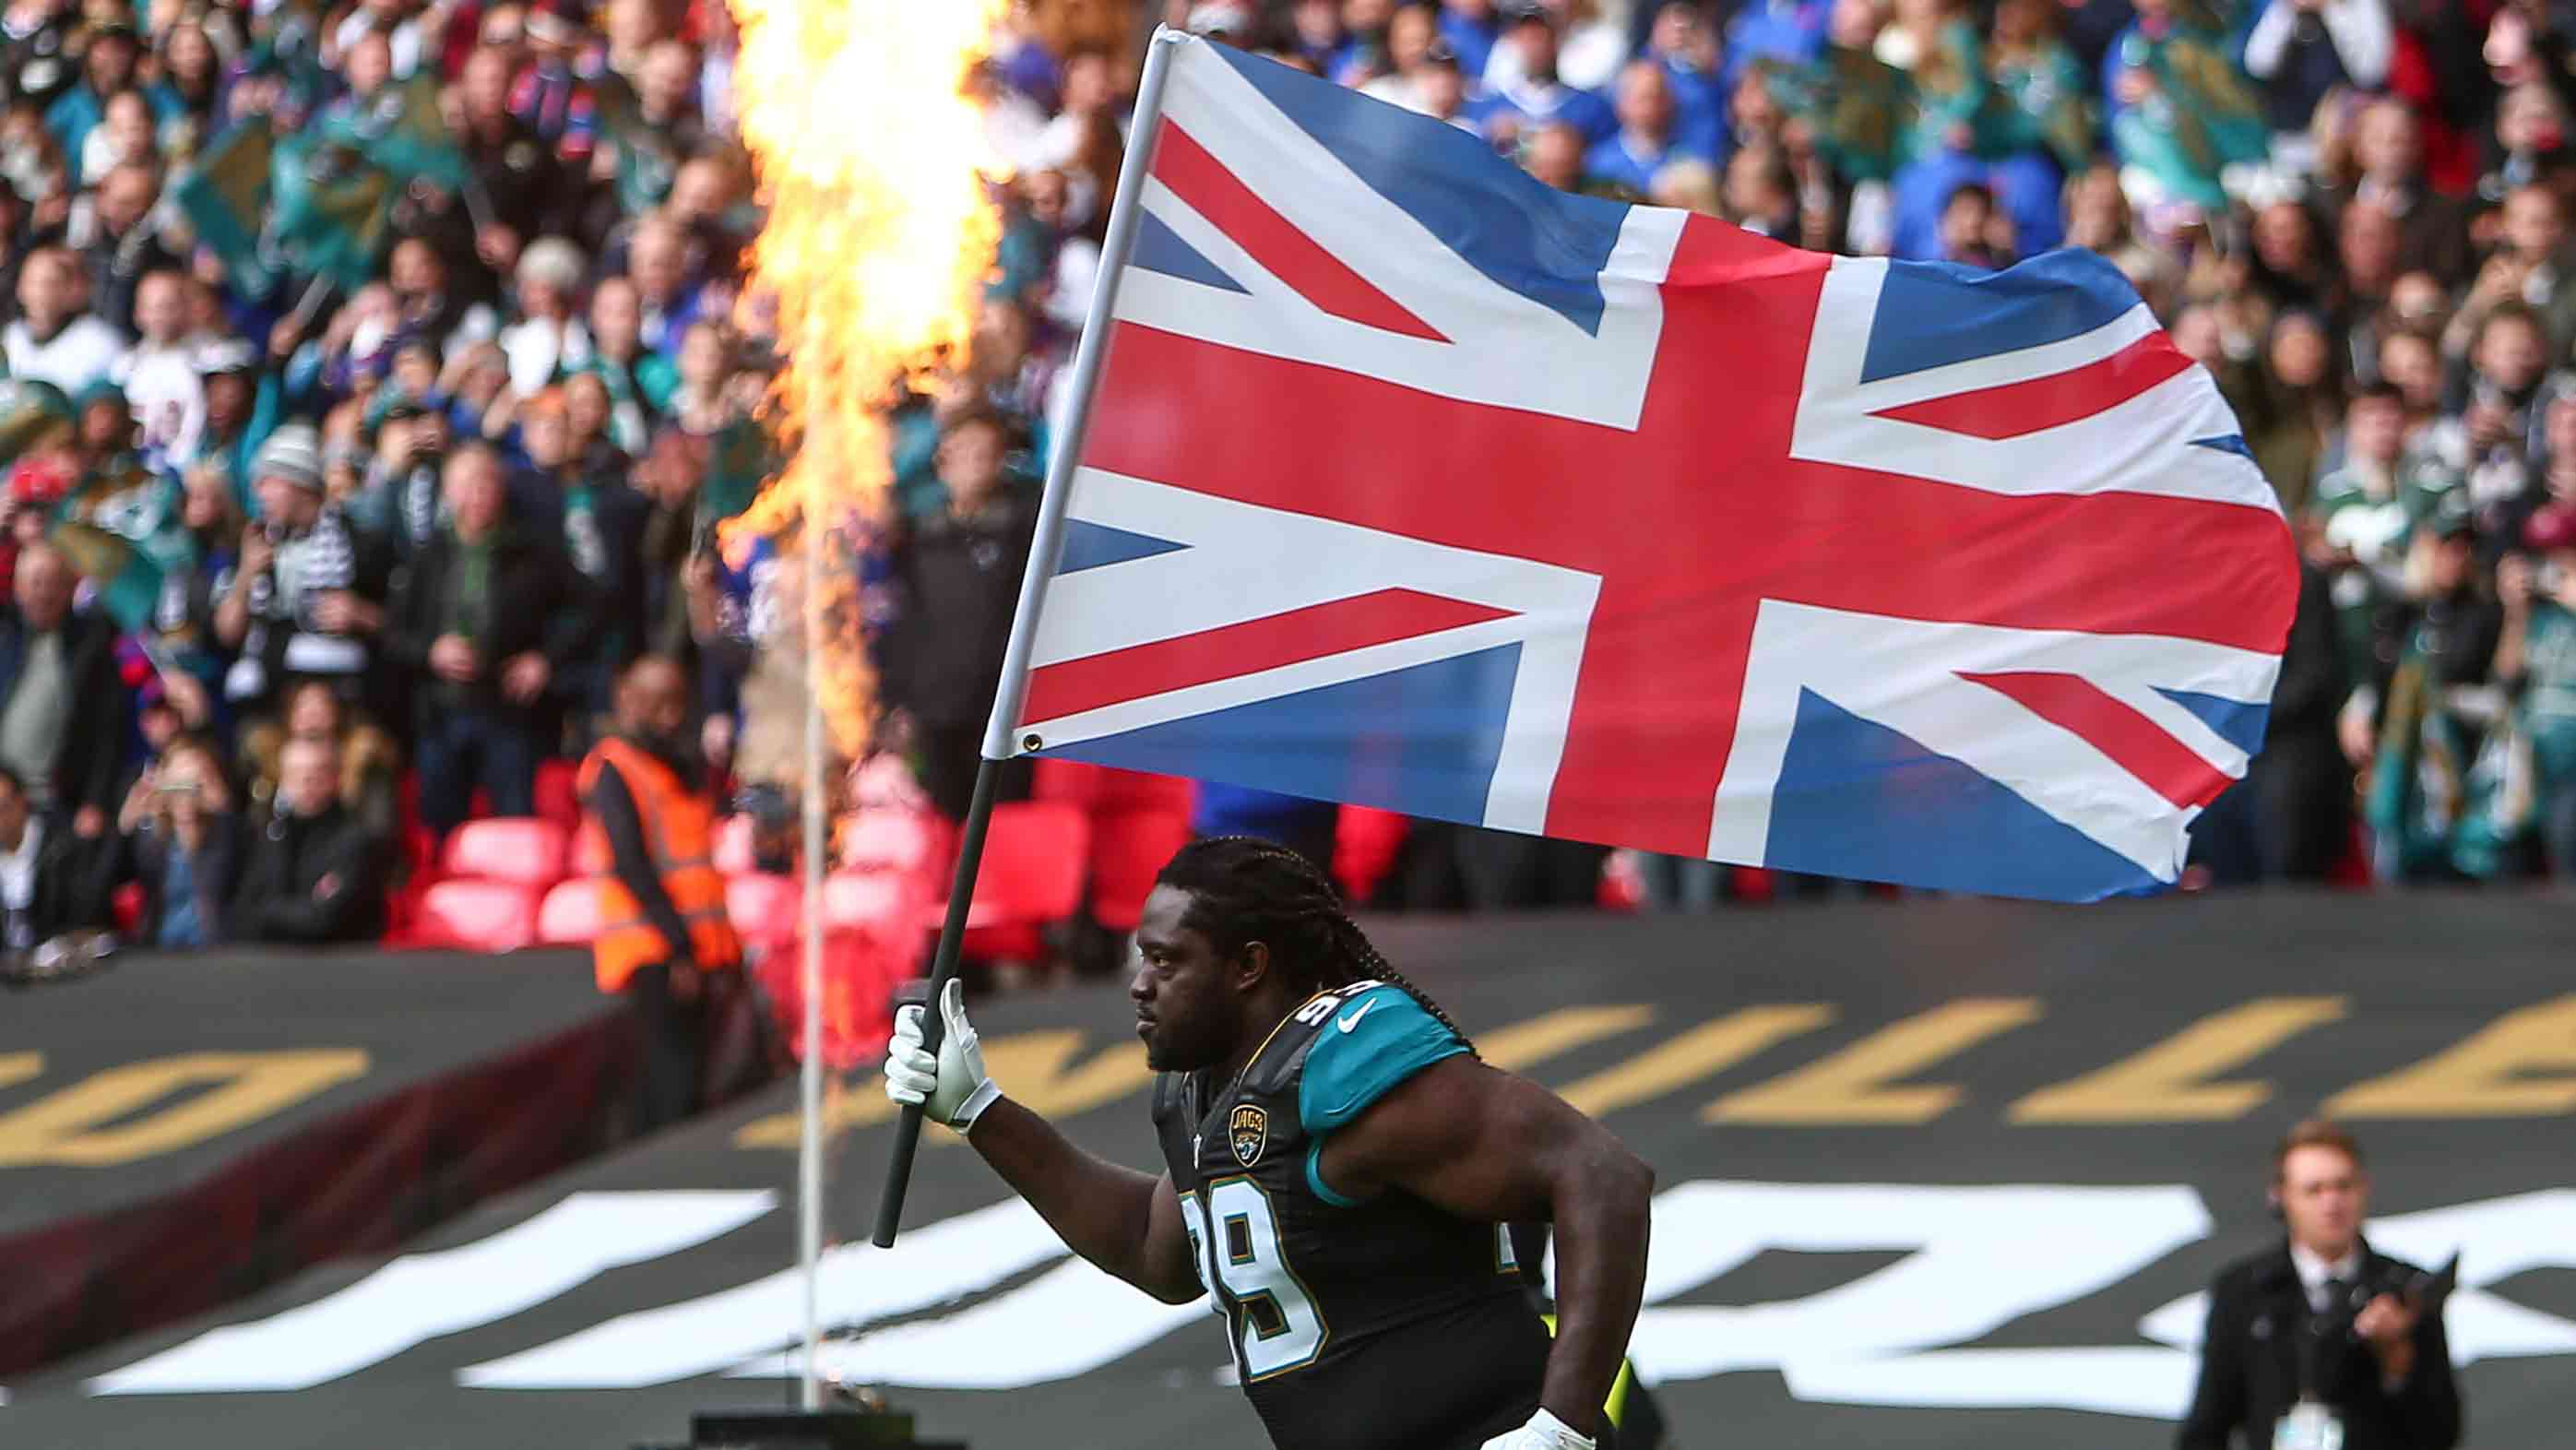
1125	211
809	1087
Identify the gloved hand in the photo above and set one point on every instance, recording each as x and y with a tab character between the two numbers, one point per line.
1543	1432
954	1088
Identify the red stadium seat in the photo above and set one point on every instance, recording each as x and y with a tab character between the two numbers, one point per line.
1127	849
767	911
1069	781
1099	789
570	915
733	846
523	849
1034	863
557	801
483	916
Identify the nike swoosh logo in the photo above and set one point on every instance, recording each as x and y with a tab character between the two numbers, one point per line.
1353	1020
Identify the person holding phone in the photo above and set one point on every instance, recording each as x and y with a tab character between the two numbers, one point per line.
2536	659
2321	1341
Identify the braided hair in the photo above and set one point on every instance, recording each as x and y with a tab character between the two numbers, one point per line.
1244	889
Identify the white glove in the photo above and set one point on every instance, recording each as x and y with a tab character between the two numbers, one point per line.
953	1089
1543	1432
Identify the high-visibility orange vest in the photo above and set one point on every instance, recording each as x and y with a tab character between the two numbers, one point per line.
680	835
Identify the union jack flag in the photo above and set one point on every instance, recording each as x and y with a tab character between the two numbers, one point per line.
1414	483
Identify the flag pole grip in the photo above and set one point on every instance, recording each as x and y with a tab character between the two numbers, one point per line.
943	967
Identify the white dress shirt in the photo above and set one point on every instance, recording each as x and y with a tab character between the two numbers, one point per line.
2315	1271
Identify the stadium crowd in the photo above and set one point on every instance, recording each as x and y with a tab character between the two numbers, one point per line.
377	376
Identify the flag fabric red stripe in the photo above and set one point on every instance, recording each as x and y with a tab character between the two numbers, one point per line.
1293	257
1387	615
2038	404
2114	727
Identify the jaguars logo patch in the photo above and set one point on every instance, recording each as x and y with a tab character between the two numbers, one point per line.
1248	1130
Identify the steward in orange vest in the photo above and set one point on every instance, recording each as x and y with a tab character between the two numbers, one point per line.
648	840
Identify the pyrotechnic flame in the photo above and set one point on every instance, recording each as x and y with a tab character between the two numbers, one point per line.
879	235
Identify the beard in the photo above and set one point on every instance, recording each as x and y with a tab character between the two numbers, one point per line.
1184	1046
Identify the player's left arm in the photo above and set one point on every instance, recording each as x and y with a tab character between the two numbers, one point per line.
1487	1144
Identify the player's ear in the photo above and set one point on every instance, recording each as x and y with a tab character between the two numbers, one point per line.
1251	966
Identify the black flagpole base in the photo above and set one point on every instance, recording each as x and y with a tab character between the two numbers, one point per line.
845	1428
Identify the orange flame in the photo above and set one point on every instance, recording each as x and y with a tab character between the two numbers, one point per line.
879	235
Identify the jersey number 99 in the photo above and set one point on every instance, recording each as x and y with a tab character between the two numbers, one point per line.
1276	1325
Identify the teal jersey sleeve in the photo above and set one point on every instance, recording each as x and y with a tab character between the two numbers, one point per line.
1377	1039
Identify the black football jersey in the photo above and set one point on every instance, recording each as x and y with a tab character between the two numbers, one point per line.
1384	1324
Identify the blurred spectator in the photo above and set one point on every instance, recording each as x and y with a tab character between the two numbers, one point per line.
295	606
52	340
2180	115
550	339
1761	193
602	535
1687	49
1554	154
677	535
312	873
2536	660
106	68
2291	817
159	373
1529	94
1970	225
1646	141
489	612
638	380
2439	803
49	878
2294	406
2486	439
2366	512
2388	153
1411	32
648	834
957	575
369	759
1587	55
177	830
2302	50
658	128
119	239
62	703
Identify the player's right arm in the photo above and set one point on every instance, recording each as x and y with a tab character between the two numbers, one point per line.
1125	1221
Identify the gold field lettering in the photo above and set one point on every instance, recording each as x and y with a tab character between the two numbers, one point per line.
1702	1052
243	1088
1854	1086
2483	1076
1553	1034
2170	1081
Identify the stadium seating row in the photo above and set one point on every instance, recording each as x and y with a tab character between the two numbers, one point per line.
1092	838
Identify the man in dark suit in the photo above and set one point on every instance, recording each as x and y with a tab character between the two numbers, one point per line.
2322	1326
